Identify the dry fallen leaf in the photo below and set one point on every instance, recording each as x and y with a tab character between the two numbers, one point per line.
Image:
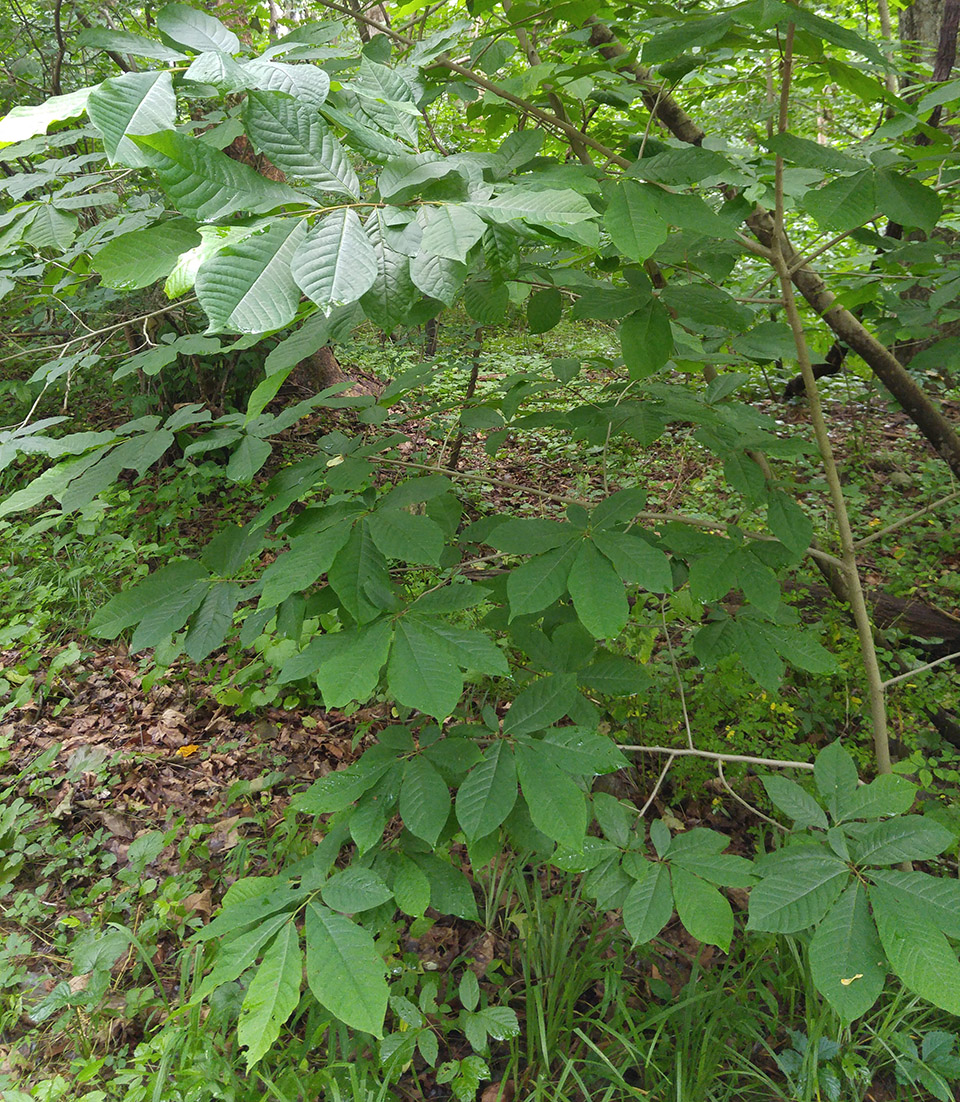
499	1092
199	902
224	835
483	954
116	824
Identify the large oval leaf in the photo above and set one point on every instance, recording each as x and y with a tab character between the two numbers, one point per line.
487	795
344	970
846	955
918	952
206	184
298	142
197	31
142	257
273	994
134	103
248	288
336	263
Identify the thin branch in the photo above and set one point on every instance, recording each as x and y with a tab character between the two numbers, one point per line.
547	118
857	601
772	763
740	800
676	674
881	532
61	50
920	669
656	788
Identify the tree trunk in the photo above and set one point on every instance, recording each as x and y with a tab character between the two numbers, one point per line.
322	369
920	29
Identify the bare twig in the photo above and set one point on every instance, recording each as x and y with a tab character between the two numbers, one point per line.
744	803
709	755
920	669
881	532
656	788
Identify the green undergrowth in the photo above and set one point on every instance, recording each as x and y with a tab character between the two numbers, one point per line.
542	997
542	994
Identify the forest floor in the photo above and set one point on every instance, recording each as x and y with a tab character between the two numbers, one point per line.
128	806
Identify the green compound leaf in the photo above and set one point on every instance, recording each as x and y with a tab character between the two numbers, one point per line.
307	558
26	121
420	675
353	890
336	263
206	184
449	231
487	795
411	888
307	84
212	620
238	953
344	970
167	589
358	574
846	957
937	898
792	800
406	536
197	31
541	704
438	277
471	650
636	561
544	310
796	890
248	287
649	904
836	778
789	523
140	258
528	535
703	910
906	838
598	594
393	293
337	790
557	805
424	800
633	221
887	794
351	668
297	141
541	580
646	339
918	952
907	201
128	105
272	996
547	206
846	203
